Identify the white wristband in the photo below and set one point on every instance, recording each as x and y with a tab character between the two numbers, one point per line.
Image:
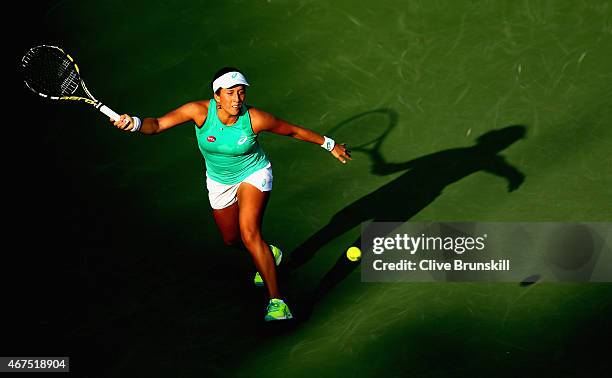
328	143
137	124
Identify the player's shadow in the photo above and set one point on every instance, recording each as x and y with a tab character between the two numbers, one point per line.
422	182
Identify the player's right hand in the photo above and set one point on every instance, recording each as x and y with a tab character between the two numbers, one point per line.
125	122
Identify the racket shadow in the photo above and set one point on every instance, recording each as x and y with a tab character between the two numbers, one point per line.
422	182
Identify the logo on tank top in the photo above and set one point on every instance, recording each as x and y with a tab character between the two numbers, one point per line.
211	138
242	140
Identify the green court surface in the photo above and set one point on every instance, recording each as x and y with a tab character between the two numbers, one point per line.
120	250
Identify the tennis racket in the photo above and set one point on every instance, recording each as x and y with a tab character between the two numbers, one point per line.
51	73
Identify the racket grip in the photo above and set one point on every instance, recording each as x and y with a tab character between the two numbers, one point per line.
109	112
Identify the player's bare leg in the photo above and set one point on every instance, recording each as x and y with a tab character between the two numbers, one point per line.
252	203
227	222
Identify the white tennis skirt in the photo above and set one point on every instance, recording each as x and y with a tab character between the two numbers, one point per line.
222	195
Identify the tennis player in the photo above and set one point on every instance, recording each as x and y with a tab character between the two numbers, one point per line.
238	172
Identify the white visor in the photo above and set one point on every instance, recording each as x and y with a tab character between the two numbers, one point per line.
228	80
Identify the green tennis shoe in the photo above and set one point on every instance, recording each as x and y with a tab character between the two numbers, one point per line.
278	256
277	310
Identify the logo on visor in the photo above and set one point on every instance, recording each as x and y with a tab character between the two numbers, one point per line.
211	138
234	75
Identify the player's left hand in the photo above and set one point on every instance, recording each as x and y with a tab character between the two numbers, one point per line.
341	153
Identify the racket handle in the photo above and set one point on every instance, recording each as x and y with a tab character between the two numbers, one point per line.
109	112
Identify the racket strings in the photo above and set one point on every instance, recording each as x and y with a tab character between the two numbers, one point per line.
71	83
48	71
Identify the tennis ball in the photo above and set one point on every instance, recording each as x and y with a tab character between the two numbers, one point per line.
353	253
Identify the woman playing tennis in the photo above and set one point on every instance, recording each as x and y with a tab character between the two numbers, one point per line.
238	173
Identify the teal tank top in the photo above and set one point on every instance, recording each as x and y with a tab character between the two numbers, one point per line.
231	153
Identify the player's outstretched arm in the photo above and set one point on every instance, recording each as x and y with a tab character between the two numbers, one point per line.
193	111
262	121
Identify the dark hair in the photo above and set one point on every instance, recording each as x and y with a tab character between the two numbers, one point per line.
220	73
